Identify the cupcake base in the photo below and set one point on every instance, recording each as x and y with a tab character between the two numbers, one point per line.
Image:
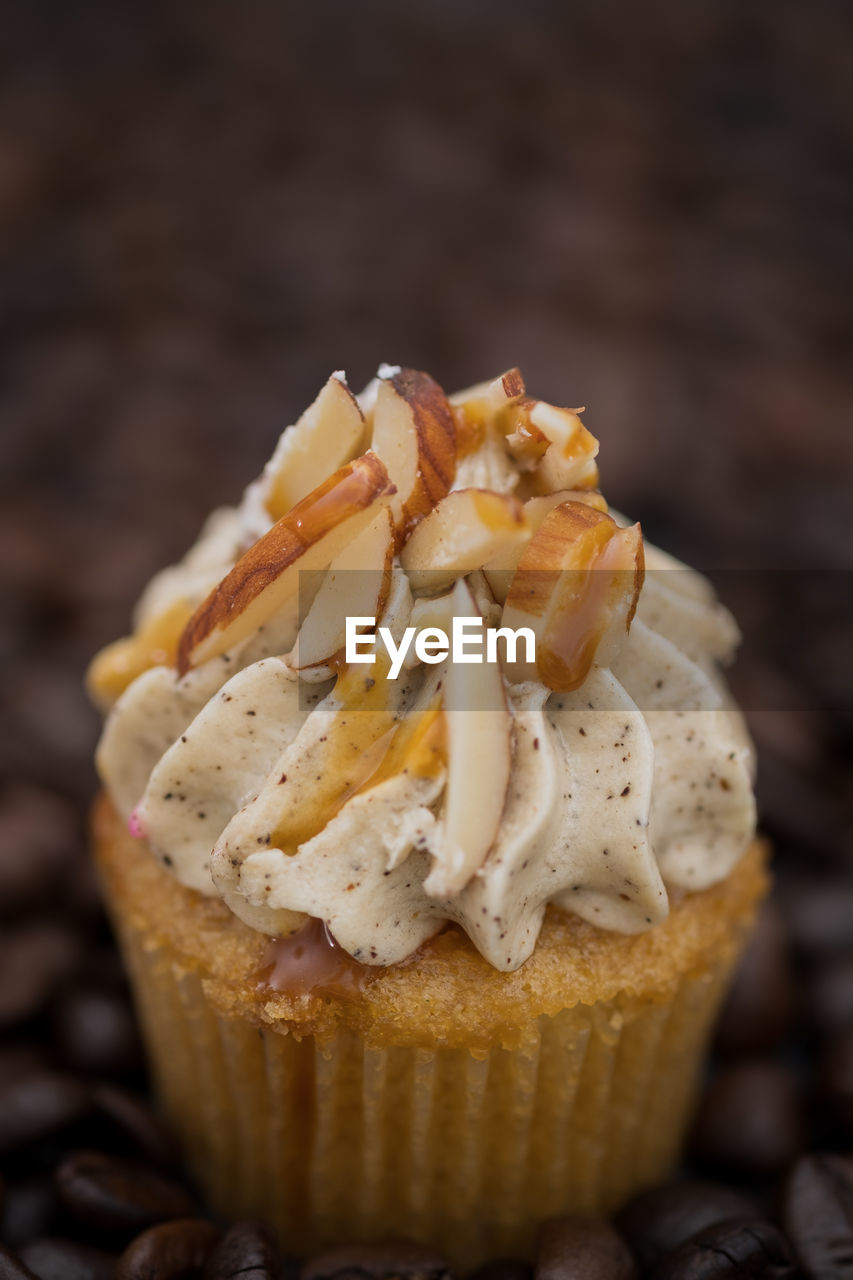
441	1100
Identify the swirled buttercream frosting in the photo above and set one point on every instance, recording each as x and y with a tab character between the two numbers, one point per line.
594	762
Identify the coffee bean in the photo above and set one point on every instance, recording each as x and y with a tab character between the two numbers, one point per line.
818	913
34	960
117	1195
503	1269
247	1251
397	1259
759	1009
127	1119
830	995
656	1222
750	1121
67	1260
170	1251
20	1060
835	1082
744	1249
574	1248
37	837
11	1268
95	1032
28	1211
101	969
37	1106
817	1214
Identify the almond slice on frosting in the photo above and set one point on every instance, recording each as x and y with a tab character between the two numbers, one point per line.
328	434
462	532
500	571
497	393
553	443
577	586
154	644
415	436
357	583
479	758
477	408
310	536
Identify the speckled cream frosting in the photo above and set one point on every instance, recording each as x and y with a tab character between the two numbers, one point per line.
326	790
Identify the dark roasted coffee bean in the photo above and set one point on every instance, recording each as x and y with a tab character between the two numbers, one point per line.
34	960
37	1106
758	1012
67	1260
11	1268
101	969
835	1082
130	1121
744	1249
170	1251
830	995
750	1121
247	1251
95	1032
28	1211
818	913
656	1222
503	1269
117	1195
20	1060
400	1259
574	1248
817	1214
37	836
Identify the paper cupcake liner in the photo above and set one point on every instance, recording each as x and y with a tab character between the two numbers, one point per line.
335	1136
336	1140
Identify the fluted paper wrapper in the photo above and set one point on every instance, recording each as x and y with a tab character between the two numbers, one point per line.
334	1133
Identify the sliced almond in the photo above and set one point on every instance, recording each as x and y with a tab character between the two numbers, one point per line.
328	435
554	444
432	611
356	583
462	532
415	436
476	408
309	536
154	644
576	586
496	393
479	758
500	571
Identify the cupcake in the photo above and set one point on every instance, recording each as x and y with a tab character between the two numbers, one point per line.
427	828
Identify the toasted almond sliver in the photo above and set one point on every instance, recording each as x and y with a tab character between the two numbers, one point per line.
356	584
576	586
500	571
415	436
328	434
464	531
495	394
154	644
309	536
479	759
554	443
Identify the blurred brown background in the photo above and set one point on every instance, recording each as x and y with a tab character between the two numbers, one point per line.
205	208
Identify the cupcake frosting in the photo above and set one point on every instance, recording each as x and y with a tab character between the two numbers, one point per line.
598	775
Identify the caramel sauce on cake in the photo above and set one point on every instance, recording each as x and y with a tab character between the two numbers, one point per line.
310	962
